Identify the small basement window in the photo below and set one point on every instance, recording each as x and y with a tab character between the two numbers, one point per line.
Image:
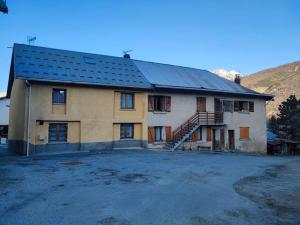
58	132
127	100
59	96
127	131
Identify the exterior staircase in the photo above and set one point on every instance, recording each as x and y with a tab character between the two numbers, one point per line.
185	130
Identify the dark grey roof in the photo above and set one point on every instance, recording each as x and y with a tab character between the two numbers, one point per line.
46	64
53	65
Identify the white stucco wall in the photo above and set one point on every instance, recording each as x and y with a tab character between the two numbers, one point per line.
4	111
183	106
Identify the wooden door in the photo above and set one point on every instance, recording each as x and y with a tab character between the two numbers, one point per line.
222	137
201	104
231	139
214	139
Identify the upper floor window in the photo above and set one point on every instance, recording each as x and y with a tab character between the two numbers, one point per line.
58	132
243	106
159	103
127	100
59	96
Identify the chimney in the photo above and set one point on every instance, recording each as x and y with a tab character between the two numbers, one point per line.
237	79
126	56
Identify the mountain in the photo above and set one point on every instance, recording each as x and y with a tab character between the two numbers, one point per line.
281	81
228	74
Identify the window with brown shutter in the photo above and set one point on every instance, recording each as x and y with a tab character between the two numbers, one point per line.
150	135
159	103
168	134
208	134
244	133
150	103
201	104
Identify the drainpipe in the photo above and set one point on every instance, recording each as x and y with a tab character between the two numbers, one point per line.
28	116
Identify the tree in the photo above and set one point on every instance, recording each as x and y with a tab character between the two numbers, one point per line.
273	124
289	118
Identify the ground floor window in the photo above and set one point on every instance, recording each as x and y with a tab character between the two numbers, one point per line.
127	130
58	132
158	134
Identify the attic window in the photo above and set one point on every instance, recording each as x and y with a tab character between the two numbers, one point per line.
89	60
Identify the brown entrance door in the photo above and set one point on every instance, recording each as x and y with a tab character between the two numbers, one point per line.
231	139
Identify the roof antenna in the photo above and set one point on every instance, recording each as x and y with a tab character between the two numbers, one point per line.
31	40
126	54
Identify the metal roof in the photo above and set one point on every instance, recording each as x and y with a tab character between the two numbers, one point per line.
164	75
46	64
54	65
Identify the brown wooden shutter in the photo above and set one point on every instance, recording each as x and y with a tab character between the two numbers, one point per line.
251	106
201	104
168	134
150	103
194	136
222	137
168	103
150	135
244	132
208	134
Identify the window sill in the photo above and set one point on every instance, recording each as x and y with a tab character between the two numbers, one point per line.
241	112
127	109
159	112
248	139
159	142
58	103
57	142
124	139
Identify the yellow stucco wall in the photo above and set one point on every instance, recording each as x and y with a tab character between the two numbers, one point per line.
95	111
17	111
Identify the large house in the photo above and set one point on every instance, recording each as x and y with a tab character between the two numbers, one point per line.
72	101
4	113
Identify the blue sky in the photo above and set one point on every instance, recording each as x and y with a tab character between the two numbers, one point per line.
247	36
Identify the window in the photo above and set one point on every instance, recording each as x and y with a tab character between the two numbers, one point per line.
159	103
218	105
244	133
227	106
243	106
58	96
127	130
158	134
58	132
201	104
127	100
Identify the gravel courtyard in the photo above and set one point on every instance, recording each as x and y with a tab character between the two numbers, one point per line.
151	188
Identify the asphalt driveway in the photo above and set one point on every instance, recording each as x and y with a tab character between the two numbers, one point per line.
151	188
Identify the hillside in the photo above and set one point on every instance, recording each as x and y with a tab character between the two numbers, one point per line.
280	81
